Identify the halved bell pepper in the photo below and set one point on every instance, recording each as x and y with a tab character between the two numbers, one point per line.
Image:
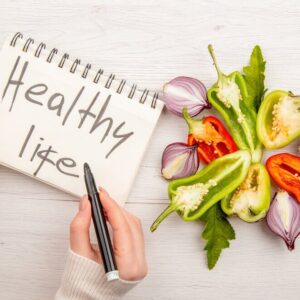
284	168
211	137
228	96
278	119
191	197
251	200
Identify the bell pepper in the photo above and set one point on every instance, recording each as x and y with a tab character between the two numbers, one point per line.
284	169
278	119
211	137
228	96
191	197
251	200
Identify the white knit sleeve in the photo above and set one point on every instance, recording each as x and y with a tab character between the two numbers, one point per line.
84	279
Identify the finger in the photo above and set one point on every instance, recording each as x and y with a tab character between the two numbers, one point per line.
122	236
79	228
139	267
137	234
113	211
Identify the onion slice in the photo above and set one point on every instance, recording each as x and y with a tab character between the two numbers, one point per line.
179	160
284	218
187	92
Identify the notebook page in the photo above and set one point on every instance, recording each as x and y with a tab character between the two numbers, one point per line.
53	120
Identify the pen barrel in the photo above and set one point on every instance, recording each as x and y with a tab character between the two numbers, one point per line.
102	234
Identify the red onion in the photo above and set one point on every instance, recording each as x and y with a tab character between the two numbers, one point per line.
179	160
284	218
186	92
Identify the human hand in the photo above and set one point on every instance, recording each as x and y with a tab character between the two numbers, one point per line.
128	238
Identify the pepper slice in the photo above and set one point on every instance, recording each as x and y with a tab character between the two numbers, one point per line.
278	119
228	97
251	200
284	168
211	137
191	197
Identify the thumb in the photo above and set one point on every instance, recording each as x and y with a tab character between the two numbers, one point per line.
79	228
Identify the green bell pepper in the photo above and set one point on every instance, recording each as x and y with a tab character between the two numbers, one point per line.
278	120
228	97
251	200
191	197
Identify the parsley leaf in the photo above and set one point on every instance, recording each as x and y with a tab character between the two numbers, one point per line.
217	233
255	77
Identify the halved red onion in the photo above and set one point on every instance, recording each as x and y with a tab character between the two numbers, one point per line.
186	92
179	160
284	218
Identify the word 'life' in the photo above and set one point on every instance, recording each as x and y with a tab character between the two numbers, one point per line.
64	165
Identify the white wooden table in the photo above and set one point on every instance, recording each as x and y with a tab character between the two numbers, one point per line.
151	42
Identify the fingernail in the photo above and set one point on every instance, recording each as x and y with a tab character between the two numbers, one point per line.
103	190
82	204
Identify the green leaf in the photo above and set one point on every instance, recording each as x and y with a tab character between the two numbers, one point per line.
255	77
217	233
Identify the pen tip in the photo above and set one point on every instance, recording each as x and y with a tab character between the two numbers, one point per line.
86	167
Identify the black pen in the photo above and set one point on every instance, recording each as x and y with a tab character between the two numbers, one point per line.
100	226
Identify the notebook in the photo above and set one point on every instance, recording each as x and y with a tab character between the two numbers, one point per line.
57	113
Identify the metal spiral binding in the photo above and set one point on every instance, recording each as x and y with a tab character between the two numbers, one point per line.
15	38
86	70
53	52
154	100
76	63
121	86
27	44
98	75
63	60
132	91
144	96
109	81
39	49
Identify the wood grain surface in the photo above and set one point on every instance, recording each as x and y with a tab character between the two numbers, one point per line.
150	42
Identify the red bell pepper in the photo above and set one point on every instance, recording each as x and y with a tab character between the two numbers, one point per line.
284	168
211	136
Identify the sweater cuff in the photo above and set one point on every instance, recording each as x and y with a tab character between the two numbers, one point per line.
85	279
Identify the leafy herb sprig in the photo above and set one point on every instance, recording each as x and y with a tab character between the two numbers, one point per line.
254	75
217	232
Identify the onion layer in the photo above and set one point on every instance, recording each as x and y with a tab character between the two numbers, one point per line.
179	160
186	92
284	218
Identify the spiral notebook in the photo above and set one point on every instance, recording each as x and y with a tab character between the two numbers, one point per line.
57	113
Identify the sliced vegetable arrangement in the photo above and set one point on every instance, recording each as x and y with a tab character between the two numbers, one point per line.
234	181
